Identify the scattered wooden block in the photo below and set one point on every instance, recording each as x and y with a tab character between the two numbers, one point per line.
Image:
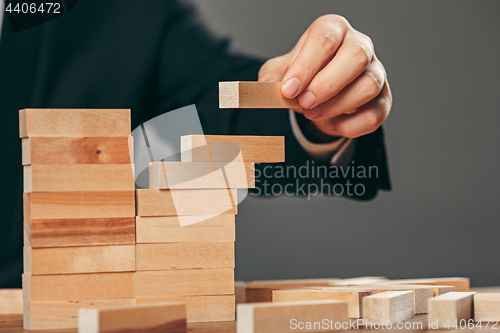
79	232
361	280
73	260
167	229
153	257
487	307
450	307
74	122
388	307
254	95
184	282
200	308
288	317
225	148
292	283
460	283
78	177
258	294
436	289
240	291
194	175
79	205
186	202
11	301
165	317
78	150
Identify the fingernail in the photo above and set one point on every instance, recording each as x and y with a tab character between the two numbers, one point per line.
330	123
307	99
291	87
312	113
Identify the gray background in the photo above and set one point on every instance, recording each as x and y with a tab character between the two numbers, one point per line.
442	217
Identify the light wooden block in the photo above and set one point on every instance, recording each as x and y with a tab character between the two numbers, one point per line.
11	301
436	289
200	308
388	307
78	150
167	229
228	148
240	291
73	260
186	202
79	232
79	205
446	308
254	95
161	317
78	177
361	280
292	283
61	314
194	175
487	307
285	317
460	283
74	122
153	257
184	282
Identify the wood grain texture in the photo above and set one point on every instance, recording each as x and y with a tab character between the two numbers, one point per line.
78	150
292	283
161	317
186	202
79	205
184	282
254	95
487	307
200	308
450	307
72	260
74	122
388	307
11	301
460	283
228	148
79	232
194	175
167	229
78	177
278	317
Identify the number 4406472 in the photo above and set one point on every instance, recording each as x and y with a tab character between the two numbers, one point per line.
26	8
471	324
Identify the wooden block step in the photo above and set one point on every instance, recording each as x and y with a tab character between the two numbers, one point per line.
450	307
292	283
194	175
79	232
228	148
186	202
167	229
487	307
74	122
11	301
288	317
161	317
79	205
388	307
78	150
254	95
200	308
460	283
73	260
184	282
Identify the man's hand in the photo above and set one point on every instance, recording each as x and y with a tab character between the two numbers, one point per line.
338	80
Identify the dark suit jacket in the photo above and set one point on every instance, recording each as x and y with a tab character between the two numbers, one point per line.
149	56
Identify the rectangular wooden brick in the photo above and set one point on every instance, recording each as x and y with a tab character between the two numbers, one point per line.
254	95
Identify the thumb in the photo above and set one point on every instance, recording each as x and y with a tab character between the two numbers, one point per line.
274	69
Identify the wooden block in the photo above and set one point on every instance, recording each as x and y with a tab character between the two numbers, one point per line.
436	289
185	202
450	307
292	283
61	314
11	301
361	280
228	148
388	307
72	260
161	317
193	175
184	282
74	122
460	283
153	257
487	307
78	287
79	232
78	150
200	308
254	95
354	298
259	295
167	229
78	177
240	291
78	205
288	317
